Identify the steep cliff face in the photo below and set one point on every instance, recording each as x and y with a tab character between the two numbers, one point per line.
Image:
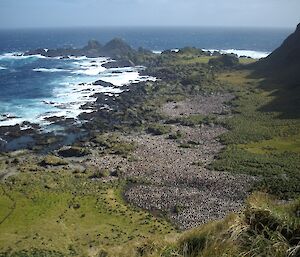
281	69
284	62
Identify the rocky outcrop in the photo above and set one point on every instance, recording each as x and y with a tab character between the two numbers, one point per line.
193	51
224	61
103	83
93	44
73	152
116	48
280	71
118	64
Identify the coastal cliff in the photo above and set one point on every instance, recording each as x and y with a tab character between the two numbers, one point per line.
280	71
284	62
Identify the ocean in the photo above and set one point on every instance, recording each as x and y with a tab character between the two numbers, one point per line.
35	88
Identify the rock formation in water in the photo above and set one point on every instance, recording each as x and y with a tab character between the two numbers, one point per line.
115	48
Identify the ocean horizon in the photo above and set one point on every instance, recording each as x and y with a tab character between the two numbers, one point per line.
152	38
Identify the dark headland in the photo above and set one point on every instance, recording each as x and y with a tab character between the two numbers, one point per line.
204	161
116	49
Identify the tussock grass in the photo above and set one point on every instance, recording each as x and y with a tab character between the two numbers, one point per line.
114	144
159	129
266	227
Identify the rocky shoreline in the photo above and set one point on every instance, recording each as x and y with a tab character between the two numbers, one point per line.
100	102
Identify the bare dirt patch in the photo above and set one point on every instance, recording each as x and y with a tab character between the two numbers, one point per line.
205	105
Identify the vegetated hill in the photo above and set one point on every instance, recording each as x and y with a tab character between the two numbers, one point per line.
281	70
284	62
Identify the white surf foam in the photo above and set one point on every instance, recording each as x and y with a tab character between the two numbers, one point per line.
89	66
2	68
125	78
239	53
19	55
12	122
50	70
91	71
78	57
175	50
156	51
69	97
73	91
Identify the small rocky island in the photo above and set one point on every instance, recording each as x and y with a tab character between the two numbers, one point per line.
124	54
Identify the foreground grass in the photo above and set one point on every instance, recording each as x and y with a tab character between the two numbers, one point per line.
266	227
70	216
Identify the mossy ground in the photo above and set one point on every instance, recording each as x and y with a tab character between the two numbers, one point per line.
275	145
186	59
71	215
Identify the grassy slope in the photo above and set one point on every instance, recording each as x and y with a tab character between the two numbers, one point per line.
70	215
260	143
265	228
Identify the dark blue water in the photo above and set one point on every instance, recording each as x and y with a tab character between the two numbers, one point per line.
21	81
150	38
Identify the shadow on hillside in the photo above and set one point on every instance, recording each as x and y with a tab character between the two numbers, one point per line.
286	92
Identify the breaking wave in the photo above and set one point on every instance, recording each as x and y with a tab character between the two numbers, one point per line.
241	53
